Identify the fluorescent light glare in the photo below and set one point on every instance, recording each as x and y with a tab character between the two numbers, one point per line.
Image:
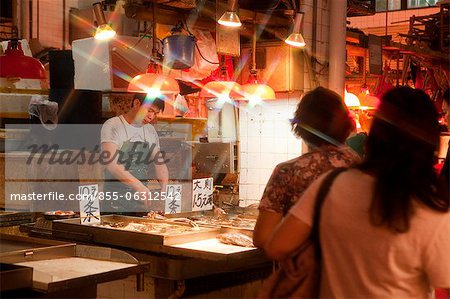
230	19
295	39
104	32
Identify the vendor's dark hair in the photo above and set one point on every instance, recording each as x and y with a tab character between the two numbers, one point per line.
322	118
400	151
158	102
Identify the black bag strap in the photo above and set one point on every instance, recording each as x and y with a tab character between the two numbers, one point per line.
321	194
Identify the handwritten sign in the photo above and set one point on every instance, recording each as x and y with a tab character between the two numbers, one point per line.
202	194
89	204
173	199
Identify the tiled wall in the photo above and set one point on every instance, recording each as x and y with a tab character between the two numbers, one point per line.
265	133
265	141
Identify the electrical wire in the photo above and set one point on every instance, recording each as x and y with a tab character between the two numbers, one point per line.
195	42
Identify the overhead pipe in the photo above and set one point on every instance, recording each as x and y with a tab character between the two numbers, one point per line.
337	43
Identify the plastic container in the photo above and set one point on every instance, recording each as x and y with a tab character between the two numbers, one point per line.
179	51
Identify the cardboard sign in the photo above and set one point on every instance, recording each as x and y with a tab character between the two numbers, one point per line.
173	199
202	194
89	204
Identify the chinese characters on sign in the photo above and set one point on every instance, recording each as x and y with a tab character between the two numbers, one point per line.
89	204
202	194
173	199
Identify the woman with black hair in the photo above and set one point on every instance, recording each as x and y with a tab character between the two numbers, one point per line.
384	230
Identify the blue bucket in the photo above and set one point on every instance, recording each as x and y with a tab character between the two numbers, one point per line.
179	51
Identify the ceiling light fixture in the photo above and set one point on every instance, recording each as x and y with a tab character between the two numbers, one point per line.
104	31
295	39
153	82
222	88
230	18
253	90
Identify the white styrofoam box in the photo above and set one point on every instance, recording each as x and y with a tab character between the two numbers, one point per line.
254	160
253	145
109	65
220	128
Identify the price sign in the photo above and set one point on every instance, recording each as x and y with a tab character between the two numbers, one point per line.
202	194
89	204
173	199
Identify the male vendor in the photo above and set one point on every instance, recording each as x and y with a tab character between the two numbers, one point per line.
135	144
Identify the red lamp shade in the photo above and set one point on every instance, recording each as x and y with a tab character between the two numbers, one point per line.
14	64
217	89
152	83
256	91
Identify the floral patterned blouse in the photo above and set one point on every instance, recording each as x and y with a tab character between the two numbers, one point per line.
291	178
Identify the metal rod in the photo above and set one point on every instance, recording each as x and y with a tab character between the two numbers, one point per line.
140	282
154	50
30	8
387	11
314	35
37	19
98	12
232	5
253	65
64	25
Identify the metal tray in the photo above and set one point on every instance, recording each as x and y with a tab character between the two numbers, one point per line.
14	277
224	227
67	266
129	239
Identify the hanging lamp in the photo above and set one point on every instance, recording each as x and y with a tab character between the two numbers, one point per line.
253	90
295	39
153	82
351	100
104	31
222	88
230	18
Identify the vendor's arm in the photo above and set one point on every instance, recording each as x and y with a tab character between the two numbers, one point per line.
118	170
162	173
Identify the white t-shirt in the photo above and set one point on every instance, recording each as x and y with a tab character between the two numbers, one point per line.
118	130
364	261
